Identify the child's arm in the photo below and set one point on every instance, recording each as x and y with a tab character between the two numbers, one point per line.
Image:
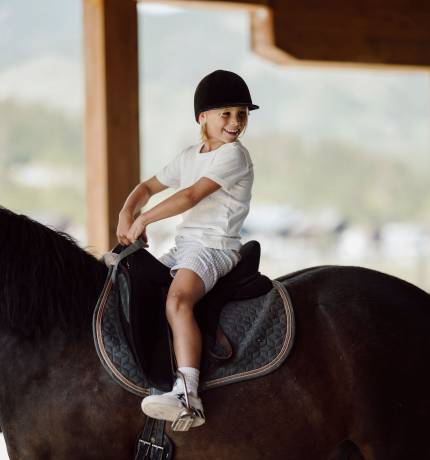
141	195
136	200
176	204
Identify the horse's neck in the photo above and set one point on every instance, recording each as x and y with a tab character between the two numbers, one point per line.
59	384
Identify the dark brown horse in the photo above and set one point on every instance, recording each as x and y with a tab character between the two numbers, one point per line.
356	385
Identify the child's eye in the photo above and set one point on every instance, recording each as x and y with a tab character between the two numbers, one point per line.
241	115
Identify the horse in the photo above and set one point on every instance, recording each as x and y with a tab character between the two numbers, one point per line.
355	385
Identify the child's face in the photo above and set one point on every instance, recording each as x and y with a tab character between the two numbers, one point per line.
225	124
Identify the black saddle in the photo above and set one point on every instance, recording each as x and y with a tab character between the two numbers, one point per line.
142	285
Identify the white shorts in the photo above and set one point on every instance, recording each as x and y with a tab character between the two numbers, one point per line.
209	263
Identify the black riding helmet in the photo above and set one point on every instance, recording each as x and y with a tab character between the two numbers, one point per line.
221	88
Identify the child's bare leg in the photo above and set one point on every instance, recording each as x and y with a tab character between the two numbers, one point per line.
186	290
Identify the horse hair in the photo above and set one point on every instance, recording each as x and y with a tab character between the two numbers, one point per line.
46	279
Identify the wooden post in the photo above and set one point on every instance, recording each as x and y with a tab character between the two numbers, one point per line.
112	114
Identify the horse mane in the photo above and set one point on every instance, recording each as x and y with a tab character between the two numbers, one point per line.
46	279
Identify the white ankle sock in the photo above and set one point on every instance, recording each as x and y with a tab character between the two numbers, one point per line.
191	375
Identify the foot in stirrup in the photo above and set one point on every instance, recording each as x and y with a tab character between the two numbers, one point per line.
168	406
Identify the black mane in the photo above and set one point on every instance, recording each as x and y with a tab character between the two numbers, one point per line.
46	280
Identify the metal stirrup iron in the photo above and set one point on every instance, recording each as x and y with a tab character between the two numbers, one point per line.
185	418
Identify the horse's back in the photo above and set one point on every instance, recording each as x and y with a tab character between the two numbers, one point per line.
365	335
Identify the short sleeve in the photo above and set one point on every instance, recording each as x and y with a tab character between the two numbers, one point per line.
170	175
229	166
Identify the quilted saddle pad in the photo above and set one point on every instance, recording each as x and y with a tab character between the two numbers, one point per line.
260	330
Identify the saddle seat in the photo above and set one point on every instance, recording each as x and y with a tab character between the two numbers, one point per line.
130	325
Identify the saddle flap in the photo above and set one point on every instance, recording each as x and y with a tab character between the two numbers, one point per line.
143	289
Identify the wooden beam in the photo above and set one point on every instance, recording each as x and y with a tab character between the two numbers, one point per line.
368	32
112	114
335	32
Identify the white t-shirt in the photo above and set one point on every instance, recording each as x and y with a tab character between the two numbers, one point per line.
217	219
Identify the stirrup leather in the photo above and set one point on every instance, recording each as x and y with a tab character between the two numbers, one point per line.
185	419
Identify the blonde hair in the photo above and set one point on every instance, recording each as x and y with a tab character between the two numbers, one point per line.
204	133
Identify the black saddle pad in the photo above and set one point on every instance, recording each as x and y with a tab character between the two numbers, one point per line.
261	331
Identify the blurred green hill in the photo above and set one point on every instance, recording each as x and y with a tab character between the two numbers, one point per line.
42	167
362	186
41	160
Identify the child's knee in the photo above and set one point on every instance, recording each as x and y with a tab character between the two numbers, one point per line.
178	304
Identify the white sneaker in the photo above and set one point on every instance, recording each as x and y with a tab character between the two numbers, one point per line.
168	406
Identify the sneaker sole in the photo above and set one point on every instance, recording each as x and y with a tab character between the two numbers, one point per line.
164	412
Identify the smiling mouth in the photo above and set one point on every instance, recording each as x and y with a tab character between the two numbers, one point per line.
232	133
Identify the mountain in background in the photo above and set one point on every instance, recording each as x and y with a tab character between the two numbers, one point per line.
33	29
377	111
41	156
318	130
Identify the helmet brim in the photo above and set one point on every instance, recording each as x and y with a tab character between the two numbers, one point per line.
228	104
